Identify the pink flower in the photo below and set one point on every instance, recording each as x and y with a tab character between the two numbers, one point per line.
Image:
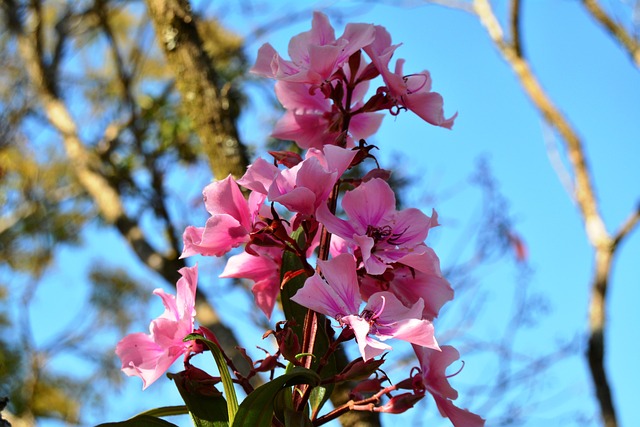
308	184
149	356
336	295
384	235
259	176
264	270
407	91
433	379
312	120
316	54
410	285
231	220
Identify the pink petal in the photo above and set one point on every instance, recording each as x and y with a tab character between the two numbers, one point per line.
139	355
191	237
308	130
369	204
264	270
364	125
338	159
358	36
337	294
220	234
297	96
369	348
265	294
372	263
458	417
320	297
186	292
322	32
168	333
412	225
428	106
247	266
433	364
225	197
169	302
314	177
416	331
266	55
334	224
323	60
340	273
299	199
419	82
259	176
397	321
431	287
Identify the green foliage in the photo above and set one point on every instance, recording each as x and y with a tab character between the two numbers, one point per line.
257	409
140	421
103	62
206	409
150	417
113	293
227	382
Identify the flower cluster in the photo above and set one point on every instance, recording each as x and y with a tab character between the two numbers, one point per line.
375	277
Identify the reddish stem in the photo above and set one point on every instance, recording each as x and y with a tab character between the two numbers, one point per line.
367	404
310	327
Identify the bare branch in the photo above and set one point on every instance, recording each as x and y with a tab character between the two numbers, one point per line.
585	198
584	189
514	18
627	227
462	5
616	30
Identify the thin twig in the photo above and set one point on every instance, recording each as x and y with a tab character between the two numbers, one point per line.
615	29
627	227
584	193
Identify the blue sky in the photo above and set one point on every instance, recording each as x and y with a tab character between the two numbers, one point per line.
593	82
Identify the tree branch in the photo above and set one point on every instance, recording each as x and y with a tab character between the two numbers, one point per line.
514	20
199	86
627	227
86	166
584	194
617	31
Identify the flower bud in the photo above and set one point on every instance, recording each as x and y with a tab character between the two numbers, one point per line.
359	369
371	386
196	381
400	403
287	158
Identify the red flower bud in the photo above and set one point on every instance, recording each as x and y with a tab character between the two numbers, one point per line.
400	403
287	158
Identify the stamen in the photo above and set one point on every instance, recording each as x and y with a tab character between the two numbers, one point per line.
379	313
457	372
425	80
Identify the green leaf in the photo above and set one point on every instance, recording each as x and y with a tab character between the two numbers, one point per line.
227	382
166	411
208	409
296	419
290	262
257	409
318	397
140	421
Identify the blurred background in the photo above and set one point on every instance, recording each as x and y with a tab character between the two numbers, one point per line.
115	114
